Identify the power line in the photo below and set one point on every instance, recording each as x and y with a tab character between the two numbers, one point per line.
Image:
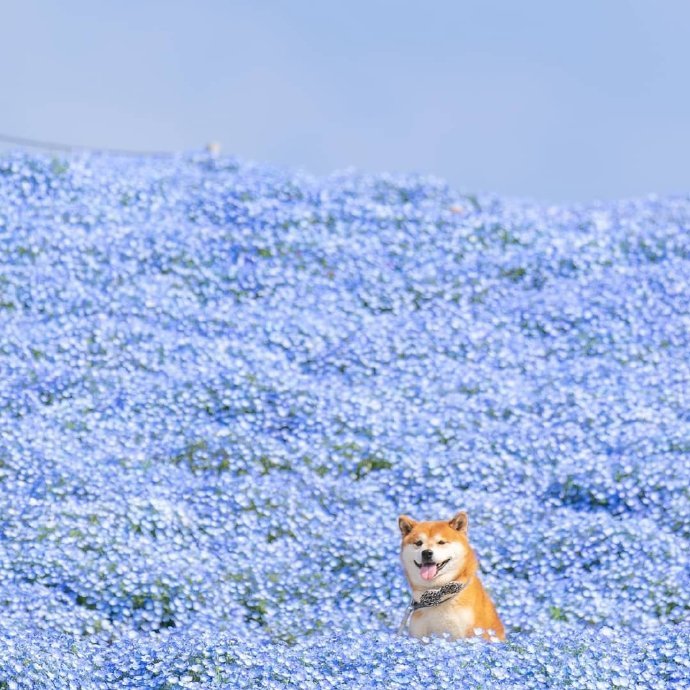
54	146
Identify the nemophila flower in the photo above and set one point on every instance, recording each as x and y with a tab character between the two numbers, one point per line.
222	382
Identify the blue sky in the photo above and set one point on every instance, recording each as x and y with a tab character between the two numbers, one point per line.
551	100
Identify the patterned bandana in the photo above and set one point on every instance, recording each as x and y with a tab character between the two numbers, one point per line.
432	597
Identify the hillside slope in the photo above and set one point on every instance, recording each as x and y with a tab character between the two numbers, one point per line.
221	383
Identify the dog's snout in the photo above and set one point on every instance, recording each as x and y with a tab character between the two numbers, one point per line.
427	554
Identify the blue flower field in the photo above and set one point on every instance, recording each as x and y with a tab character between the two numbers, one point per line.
221	383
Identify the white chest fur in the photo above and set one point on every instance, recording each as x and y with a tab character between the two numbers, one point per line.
457	621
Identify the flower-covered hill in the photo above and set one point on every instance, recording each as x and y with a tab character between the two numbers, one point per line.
221	383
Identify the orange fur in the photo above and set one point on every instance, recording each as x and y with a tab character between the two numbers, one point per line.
472	607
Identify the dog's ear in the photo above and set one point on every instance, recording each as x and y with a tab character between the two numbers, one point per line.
460	522
406	524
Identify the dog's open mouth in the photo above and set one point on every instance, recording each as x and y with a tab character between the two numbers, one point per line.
429	571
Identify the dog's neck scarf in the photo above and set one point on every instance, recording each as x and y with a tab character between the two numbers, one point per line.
433	597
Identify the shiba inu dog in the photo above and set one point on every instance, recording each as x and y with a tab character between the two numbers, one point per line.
442	571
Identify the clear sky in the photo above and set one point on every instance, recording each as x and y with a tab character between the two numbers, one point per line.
557	101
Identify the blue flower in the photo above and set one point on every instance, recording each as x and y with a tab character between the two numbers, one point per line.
220	383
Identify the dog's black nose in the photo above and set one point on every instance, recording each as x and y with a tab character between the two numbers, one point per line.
427	554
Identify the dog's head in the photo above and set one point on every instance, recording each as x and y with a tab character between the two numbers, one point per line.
434	553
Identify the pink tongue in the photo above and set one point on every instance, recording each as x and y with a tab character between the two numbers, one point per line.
428	572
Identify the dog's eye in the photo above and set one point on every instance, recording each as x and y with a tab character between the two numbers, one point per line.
419	542
440	541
